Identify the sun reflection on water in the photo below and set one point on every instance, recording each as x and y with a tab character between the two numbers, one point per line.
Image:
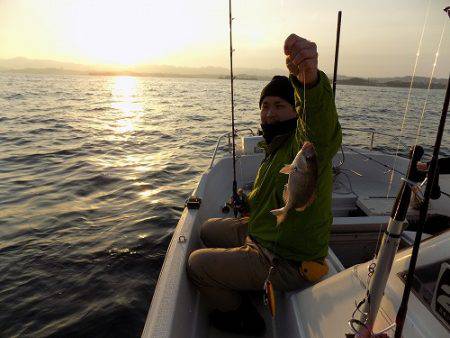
127	102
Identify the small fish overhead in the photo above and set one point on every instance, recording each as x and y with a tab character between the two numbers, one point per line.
300	190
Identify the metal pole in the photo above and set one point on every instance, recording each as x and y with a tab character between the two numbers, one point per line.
388	249
336	53
432	172
235	196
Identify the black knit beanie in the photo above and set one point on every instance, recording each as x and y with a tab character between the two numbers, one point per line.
279	86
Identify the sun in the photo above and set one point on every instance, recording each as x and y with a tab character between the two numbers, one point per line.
118	32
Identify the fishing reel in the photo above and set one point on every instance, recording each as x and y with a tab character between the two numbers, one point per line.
238	203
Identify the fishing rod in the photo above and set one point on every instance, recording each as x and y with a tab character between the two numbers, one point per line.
423	213
391	239
405	114
385	258
336	52
371	303
431	175
336	59
235	194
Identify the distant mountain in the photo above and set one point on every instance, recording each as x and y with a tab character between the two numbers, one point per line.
209	70
25	65
417	79
21	63
180	70
404	81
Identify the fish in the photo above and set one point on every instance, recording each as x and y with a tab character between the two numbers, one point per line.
300	190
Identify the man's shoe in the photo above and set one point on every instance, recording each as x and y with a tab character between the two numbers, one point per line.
245	320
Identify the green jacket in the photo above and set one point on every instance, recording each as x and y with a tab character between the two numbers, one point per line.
303	235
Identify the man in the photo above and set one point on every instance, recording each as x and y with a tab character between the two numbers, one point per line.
240	252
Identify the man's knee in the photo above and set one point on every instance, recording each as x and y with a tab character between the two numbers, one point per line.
207	230
197	262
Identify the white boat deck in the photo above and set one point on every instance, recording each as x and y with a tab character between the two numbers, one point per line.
360	209
369	182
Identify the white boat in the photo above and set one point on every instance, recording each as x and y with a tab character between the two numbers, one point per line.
361	210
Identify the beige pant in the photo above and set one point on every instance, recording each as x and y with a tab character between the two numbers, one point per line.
232	262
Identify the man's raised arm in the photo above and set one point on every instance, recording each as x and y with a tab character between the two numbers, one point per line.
313	91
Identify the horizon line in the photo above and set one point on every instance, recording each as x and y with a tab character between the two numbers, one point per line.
111	68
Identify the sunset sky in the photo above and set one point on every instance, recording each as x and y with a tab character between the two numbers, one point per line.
379	38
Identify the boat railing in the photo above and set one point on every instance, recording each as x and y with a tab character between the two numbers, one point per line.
374	132
370	131
228	135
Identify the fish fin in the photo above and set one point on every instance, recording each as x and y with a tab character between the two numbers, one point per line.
285	194
280	215
308	203
286	169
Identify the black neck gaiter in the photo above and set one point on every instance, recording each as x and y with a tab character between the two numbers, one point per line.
279	128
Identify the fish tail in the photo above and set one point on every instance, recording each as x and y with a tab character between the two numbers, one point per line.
280	215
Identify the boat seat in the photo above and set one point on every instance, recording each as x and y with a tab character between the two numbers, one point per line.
342	204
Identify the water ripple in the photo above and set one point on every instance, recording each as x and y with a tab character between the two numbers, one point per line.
90	193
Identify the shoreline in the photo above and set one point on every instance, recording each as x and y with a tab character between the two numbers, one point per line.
353	81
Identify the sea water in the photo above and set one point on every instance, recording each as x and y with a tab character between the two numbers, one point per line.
94	172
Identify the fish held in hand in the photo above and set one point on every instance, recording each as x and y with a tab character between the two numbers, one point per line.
300	190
